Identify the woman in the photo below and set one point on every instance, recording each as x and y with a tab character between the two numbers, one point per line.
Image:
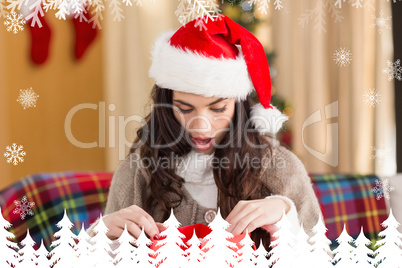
204	145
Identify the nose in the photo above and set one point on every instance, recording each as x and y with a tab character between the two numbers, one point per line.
199	124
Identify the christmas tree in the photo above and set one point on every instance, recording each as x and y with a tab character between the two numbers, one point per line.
142	257
27	252
302	248
321	254
125	252
170	253
362	252
283	253
63	254
389	251
194	254
344	253
261	255
83	247
42	253
101	246
246	252
220	250
8	248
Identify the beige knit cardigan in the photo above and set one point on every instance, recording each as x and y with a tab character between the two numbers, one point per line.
287	177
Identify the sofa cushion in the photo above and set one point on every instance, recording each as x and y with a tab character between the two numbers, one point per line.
82	194
349	199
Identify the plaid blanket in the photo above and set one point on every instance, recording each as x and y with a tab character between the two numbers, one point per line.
82	194
344	199
349	199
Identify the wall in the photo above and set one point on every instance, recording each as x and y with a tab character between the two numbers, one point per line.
61	83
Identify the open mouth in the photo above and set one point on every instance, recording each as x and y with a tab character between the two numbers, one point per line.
202	143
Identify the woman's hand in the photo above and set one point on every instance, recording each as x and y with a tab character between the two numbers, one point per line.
135	218
252	214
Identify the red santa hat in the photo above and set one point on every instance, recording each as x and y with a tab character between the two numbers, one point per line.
222	60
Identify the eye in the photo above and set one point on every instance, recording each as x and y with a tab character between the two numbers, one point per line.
184	111
220	110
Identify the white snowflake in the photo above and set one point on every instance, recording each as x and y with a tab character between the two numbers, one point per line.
318	14
14	22
27	98
394	70
381	22
23	207
370	4
372	97
14	154
189	10
380	152
342	56
382	189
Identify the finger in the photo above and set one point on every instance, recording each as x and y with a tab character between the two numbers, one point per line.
238	208
256	223
133	229
161	227
241	225
143	219
148	224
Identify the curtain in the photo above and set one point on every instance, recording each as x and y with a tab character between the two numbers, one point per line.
127	53
334	129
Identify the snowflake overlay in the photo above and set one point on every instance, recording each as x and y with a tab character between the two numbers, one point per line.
370	4
23	207
318	15
381	22
382	189
372	97
14	22
394	70
27	98
189	10
380	153
342	57
15	154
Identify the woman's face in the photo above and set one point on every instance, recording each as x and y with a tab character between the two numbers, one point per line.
207	119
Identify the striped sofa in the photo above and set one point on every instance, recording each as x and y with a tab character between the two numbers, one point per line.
344	199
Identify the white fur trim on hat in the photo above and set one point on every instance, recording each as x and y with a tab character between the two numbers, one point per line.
267	120
192	72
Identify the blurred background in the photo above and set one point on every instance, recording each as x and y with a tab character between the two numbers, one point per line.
328	61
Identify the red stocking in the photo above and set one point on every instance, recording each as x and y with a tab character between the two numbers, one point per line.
84	35
40	41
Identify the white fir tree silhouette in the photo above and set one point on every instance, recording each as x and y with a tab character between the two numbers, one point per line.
321	253
8	248
283	253
246	252
101	250
261	255
42	254
125	252
63	252
170	253
220	250
27	252
302	248
83	249
344	253
389	251
142	257
194	253
362	252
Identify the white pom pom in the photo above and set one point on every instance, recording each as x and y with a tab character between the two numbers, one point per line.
267	120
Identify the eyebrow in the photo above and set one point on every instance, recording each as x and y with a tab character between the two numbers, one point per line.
212	103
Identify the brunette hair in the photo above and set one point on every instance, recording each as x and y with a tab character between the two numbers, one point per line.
158	138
